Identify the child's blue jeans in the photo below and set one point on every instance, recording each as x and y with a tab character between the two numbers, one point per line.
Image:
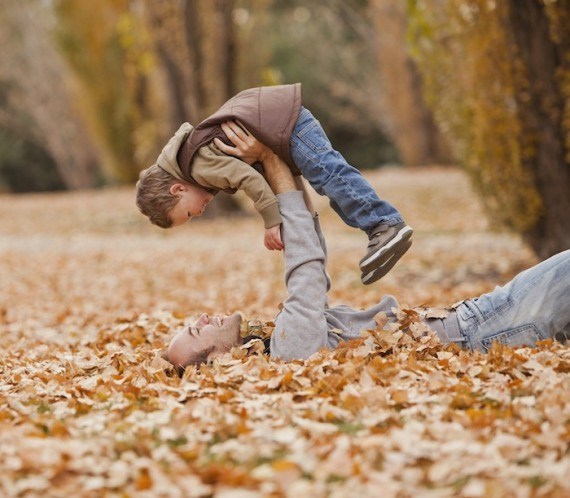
535	305
349	193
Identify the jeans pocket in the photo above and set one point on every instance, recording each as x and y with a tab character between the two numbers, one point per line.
525	335
488	306
314	137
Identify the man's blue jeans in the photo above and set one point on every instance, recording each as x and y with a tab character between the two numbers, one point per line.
535	305
349	193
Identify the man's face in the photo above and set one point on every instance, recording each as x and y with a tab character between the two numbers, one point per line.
210	336
192	201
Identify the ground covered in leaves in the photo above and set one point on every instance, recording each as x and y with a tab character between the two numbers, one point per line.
91	292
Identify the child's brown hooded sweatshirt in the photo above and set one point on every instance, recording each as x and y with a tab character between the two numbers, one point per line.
269	113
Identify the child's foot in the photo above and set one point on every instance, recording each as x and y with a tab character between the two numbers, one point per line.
387	245
378	273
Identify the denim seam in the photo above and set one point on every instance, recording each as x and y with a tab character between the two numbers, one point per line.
303	131
531	284
307	143
466	315
354	195
393	219
481	317
304	153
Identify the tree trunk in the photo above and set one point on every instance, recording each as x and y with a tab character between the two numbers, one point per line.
194	37
175	79
196	44
542	113
412	126
38	100
228	46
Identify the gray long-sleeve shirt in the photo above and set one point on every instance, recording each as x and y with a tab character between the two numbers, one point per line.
306	323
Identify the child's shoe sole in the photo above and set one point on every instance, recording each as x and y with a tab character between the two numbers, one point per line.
386	252
377	273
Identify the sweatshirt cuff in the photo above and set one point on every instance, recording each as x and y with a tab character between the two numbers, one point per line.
271	215
292	201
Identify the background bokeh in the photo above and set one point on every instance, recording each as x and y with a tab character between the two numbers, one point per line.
462	108
90	91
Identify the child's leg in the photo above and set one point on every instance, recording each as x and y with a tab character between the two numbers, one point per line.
533	306
350	194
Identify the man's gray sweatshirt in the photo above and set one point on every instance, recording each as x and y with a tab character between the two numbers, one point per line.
306	323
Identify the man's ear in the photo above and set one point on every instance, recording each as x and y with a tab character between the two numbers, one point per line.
177	188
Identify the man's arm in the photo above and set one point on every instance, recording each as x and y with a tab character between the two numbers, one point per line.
250	150
301	328
278	174
301	185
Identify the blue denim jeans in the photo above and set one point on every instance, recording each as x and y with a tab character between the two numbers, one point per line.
349	193
535	305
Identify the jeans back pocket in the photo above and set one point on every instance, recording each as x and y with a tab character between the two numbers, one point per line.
525	335
313	136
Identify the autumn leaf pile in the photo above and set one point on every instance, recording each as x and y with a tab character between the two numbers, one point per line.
91	292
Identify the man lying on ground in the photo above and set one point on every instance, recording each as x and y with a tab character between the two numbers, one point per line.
532	307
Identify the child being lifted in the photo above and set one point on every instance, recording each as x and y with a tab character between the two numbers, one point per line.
197	163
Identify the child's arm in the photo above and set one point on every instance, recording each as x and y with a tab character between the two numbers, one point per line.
250	150
215	169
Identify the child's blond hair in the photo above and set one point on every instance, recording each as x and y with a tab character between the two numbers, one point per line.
153	195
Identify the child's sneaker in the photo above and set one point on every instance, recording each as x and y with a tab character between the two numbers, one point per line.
387	245
378	273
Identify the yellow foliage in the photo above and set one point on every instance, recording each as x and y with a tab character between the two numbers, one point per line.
475	82
110	50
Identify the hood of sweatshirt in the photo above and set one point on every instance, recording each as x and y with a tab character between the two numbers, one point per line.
167	158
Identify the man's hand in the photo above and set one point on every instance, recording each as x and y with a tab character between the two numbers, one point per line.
247	147
249	150
272	239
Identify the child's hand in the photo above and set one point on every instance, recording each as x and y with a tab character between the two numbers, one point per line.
272	239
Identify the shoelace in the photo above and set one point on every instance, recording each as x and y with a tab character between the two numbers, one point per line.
380	229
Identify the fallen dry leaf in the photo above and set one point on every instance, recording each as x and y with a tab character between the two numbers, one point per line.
91	292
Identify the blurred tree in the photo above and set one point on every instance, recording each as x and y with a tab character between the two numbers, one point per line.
36	103
109	48
252	20
410	121
195	40
25	167
196	45
327	46
497	75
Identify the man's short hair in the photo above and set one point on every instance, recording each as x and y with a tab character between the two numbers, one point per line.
153	195
198	359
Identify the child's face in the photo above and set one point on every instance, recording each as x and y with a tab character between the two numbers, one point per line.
192	201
